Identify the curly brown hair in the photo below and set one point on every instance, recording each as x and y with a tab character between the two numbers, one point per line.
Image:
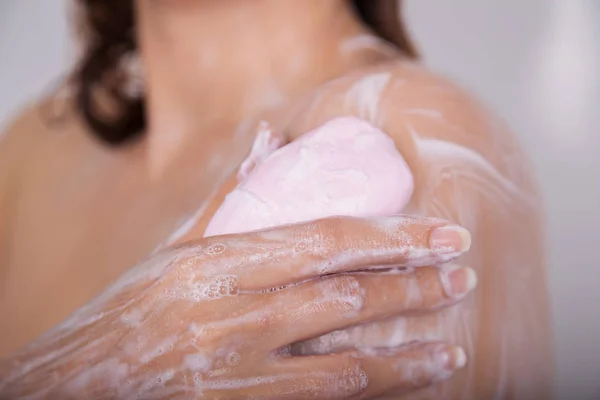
109	37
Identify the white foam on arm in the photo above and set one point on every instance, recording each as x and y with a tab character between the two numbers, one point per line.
345	167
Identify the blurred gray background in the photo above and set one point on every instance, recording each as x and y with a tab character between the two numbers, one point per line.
535	62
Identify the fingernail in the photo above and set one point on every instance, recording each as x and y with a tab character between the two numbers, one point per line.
451	358
457	358
458	280
450	238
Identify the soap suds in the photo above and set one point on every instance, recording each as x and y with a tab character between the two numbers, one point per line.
365	95
443	156
266	142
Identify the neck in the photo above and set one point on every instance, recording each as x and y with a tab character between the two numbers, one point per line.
209	63
235	56
211	59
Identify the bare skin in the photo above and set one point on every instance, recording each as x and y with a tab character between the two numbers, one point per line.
216	319
91	213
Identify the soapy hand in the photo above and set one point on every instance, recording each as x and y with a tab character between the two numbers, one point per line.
217	318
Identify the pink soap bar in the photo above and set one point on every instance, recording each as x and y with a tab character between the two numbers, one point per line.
345	167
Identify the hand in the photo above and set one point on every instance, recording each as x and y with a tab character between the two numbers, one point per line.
216	319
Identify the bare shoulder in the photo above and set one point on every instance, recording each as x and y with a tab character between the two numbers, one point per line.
402	94
31	126
15	132
24	140
391	92
18	140
15	138
44	122
429	117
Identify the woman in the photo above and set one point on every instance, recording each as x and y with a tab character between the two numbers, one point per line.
128	167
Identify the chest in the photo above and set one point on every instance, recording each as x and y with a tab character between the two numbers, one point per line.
104	215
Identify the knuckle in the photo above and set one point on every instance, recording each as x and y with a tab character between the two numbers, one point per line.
428	287
347	291
351	379
268	323
415	293
320	237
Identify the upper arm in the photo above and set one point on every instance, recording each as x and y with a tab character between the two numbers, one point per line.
468	168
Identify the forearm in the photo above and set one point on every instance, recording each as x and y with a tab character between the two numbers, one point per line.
49	368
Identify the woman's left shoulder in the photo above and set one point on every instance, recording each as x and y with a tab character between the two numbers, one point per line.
422	112
392	94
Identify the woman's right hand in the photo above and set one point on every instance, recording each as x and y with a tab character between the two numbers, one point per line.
214	319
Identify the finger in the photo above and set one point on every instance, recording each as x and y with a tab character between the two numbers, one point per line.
367	375
295	253
392	332
340	301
